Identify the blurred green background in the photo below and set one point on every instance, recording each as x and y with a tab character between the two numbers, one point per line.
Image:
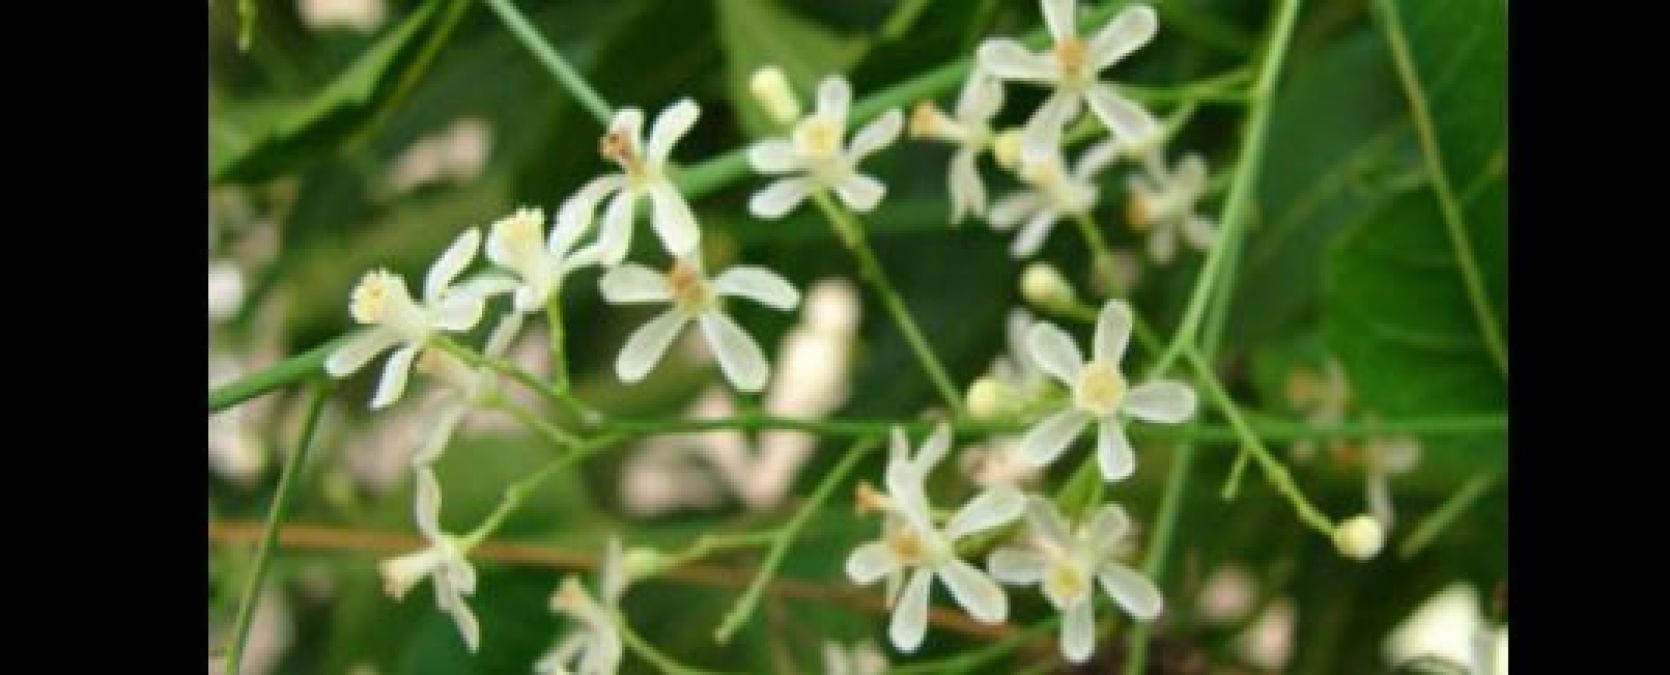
364	133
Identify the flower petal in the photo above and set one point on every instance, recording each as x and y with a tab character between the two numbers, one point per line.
876	135
468	627
503	334
1045	441
1126	33
1164	401
672	124
440	433
1058	16
1134	592
1107	527
1016	566
1113	451
612	577
1097	158
393	382
1199	232
1113	332
633	283
576	212
451	264
910	613
861	192
1009	60
740	357
780	197
645	347
968	192
426	504
758	284
628	123
673	220
1045	519
773	156
458	312
1126	119
1162	243
981	97
359	350
991	508
1032	235
1078	631
834	100
975	591
870	562
616	235
1013	208
1054	351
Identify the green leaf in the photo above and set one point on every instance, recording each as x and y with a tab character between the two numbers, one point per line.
1403	300
756	33
1451	58
281	139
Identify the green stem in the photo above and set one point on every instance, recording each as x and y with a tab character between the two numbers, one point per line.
903	17
1455	222
642	648
559	361
552	434
744	605
309	363
1153	562
1446	513
287	483
851	233
518	492
577	86
1251	159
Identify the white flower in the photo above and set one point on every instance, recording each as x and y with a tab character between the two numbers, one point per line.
970	131
467	387
1066	561
382	302
643	174
596	648
1451	627
911	542
1099	394
815	151
443	562
1052	193
1163	202
695	298
518	243
1073	68
363	16
1360	538
1382	459
862	658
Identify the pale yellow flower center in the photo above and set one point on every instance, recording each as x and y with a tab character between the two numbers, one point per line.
907	546
1100	389
817	137
1073	58
1066	580
689	289
621	149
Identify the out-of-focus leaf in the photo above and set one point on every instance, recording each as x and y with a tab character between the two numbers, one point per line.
252	154
759	33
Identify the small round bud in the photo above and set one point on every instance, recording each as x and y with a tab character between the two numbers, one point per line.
1006	149
643	562
1359	538
986	398
1043	285
771	90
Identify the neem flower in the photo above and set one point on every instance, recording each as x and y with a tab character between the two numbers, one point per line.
382	302
443	561
1072	68
1163	202
816	153
1099	394
1052	193
970	131
911	542
643	174
1066	561
596	648
518	243
695	298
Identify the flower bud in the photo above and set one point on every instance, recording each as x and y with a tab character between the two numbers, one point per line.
986	398
1359	538
1043	285
1006	149
771	90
